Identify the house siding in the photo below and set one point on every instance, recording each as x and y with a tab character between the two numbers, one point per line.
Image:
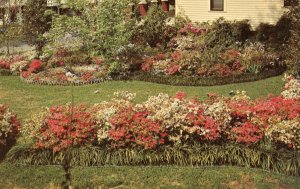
257	11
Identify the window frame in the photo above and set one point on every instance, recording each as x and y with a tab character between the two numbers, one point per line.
217	10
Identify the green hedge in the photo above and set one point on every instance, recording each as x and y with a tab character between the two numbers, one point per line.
178	80
4	72
285	162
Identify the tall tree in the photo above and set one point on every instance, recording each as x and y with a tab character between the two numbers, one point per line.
36	23
10	31
294	42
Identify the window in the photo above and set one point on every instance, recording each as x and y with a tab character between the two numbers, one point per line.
217	5
288	3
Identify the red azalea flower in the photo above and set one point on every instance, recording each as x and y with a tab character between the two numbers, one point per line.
180	95
173	69
97	60
35	65
176	56
160	56
132	128
25	74
87	76
60	63
4	64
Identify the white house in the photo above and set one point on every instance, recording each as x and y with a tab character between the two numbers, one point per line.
257	11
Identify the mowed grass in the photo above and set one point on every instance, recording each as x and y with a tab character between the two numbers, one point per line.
144	177
26	99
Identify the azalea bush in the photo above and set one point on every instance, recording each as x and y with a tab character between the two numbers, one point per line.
292	87
131	128
16	63
9	126
34	67
61	127
165	120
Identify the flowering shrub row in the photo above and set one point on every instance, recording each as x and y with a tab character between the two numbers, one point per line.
172	121
196	63
9	125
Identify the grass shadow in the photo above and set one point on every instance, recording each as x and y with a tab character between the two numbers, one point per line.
4	149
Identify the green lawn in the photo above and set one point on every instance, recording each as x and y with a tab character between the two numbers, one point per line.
145	177
26	99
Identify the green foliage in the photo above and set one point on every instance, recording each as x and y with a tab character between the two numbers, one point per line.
275	36
118	69
36	23
294	41
10	33
67	40
68	32
242	30
181	21
78	4
264	31
4	72
224	34
154	26
131	55
281	162
283	29
76	58
110	27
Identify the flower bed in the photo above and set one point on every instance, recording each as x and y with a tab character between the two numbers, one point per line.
112	129
9	127
186	52
59	77
79	75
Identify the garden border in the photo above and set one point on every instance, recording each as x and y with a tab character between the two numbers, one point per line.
281	161
209	81
173	80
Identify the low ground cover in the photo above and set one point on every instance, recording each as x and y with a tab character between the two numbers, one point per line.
144	177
